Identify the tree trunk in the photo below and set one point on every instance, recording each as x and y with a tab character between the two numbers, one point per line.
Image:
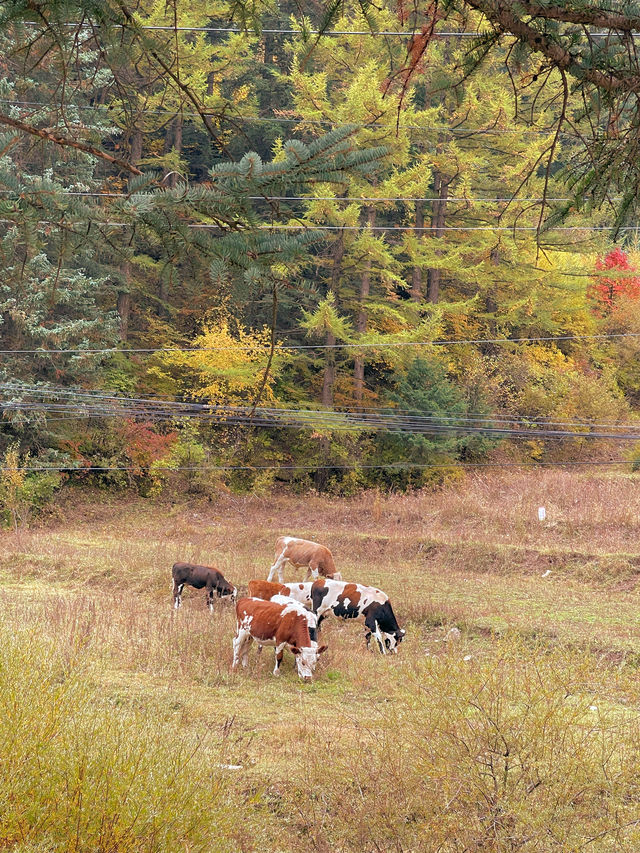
173	141
124	306
123	303
441	192
330	362
416	274
362	317
135	147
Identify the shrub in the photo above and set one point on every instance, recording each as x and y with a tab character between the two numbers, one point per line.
23	493
79	774
605	290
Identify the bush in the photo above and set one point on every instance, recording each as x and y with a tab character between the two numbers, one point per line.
123	454
23	493
79	774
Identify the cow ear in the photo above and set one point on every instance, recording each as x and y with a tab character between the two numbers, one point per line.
322	649
295	650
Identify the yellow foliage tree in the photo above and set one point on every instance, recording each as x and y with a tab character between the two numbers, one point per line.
228	366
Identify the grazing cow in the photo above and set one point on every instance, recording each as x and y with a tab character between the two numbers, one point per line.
282	623
302	552
300	592
199	577
351	600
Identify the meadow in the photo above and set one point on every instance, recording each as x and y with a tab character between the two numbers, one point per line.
123	729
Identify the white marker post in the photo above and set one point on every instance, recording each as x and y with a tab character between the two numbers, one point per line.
542	513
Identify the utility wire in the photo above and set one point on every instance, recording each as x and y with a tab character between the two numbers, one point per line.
302	419
297	347
268	198
277	31
290	120
404	465
242	228
385	411
272	31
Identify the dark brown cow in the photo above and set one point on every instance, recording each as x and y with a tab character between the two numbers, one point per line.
300	592
351	600
201	576
302	552
284	624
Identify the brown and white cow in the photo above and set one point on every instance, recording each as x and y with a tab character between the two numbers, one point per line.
300	592
201	576
282	623
351	600
302	552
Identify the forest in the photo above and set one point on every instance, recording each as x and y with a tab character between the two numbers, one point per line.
326	247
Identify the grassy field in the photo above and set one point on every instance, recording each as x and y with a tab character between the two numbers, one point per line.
123	729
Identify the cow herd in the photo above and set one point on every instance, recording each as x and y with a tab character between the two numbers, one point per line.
289	615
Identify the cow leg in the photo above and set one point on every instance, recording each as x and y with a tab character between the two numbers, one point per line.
210	597
241	643
367	638
245	653
278	566
378	635
177	594
279	655
373	628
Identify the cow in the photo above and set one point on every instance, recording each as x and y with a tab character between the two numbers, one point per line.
352	600
302	552
282	623
300	592
199	577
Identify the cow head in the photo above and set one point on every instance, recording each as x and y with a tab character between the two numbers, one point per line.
306	660
392	641
228	591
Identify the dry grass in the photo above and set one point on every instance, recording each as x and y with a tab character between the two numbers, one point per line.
521	735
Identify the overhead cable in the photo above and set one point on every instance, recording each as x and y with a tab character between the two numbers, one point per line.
296	347
243	228
382	411
404	465
277	31
149	194
301	419
276	119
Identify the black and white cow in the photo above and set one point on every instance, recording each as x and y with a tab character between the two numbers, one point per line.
201	577
352	600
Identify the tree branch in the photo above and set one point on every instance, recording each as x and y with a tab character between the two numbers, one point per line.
57	139
501	14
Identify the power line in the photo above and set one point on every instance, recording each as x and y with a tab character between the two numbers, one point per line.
268	198
404	465
295	347
382	411
241	227
148	415
275	418
277	31
300	120
380	416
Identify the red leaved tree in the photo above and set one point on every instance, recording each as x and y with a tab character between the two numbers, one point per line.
604	290
142	445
